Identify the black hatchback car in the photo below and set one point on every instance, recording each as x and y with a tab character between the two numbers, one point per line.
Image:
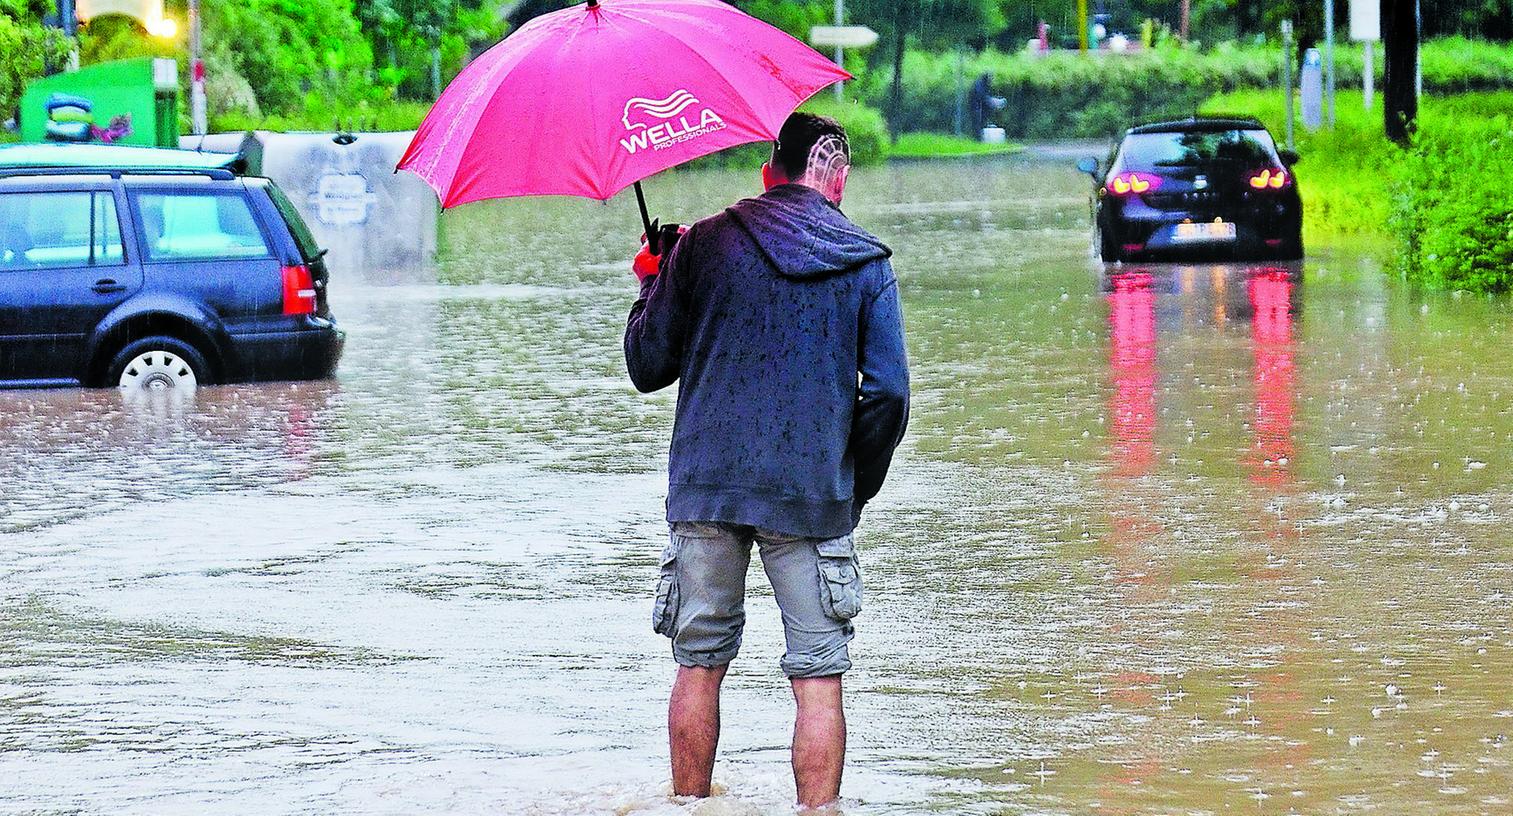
1215	187
147	268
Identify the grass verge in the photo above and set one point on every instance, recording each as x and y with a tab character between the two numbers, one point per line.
941	146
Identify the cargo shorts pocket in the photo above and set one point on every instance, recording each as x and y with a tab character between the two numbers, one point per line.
840	578
664	613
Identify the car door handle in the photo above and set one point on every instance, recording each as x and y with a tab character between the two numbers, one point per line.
107	286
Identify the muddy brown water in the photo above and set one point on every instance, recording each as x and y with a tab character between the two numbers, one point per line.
1177	539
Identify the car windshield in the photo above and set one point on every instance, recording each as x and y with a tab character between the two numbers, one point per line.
1152	151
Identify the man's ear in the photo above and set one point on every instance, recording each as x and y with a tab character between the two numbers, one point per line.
840	184
771	177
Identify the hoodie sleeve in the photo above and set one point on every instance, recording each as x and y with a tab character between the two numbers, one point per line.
655	332
882	404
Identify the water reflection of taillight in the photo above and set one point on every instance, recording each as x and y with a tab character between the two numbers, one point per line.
1271	299
1270	179
1132	360
1133	184
299	291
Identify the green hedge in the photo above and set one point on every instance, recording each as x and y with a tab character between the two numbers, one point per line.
1454	206
1445	199
1066	94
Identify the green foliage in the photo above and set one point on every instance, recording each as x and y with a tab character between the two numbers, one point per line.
1444	198
115	37
1454	205
392	115
1065	94
25	49
865	130
292	52
792	16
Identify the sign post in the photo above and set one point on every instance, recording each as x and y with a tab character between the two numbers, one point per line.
1366	28
842	37
840	52
1329	62
197	117
1287	76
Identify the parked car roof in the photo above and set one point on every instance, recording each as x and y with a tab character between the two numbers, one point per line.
17	159
1200	124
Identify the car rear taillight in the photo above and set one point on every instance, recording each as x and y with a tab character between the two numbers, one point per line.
1270	179
1133	184
299	291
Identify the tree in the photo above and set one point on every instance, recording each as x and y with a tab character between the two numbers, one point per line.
287	49
935	23
26	48
1400	75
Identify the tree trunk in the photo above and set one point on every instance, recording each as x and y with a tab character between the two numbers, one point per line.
436	70
896	93
1243	22
1400	73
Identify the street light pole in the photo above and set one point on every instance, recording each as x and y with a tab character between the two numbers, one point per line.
197	116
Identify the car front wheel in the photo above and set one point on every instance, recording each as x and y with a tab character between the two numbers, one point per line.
158	363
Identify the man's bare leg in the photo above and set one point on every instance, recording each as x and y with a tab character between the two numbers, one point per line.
819	740
693	728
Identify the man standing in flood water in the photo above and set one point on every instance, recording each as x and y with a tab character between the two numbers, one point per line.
780	319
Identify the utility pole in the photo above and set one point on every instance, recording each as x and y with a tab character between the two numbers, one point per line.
1400	76
1082	26
197	115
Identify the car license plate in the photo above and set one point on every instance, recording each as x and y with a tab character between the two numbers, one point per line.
1206	231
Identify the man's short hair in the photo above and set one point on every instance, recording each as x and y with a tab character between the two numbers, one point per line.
796	141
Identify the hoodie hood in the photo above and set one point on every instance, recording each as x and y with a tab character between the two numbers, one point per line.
803	235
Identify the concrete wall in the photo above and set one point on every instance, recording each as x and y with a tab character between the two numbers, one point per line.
379	226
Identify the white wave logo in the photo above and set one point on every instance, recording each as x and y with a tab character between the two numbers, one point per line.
662	123
657	108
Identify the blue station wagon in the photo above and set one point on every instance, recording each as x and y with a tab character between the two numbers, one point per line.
151	268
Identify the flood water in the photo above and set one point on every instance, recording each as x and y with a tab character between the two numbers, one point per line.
1175	539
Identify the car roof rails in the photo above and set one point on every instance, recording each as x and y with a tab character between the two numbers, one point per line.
217	173
113	160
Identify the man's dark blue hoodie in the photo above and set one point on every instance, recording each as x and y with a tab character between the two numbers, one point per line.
781	320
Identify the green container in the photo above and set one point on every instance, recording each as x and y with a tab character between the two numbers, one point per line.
126	102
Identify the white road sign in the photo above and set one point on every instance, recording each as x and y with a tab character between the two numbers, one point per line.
842	36
1365	20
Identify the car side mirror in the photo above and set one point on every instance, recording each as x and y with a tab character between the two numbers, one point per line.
1088	165
1289	157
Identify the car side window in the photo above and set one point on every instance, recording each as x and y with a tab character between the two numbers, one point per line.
59	229
180	226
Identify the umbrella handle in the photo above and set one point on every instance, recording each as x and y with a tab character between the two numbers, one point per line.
652	238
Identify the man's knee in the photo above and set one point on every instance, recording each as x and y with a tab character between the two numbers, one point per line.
817	692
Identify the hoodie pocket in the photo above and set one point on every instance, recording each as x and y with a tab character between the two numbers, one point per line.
664	613
840	578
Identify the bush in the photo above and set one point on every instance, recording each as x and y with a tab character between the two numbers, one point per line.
865	130
1454	205
25	49
1066	94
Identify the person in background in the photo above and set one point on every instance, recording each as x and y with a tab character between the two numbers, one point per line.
780	321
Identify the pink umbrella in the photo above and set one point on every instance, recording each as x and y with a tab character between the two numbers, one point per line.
592	99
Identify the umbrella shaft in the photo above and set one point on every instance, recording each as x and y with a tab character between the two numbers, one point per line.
651	229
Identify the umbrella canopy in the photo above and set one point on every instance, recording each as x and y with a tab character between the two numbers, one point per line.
591	99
